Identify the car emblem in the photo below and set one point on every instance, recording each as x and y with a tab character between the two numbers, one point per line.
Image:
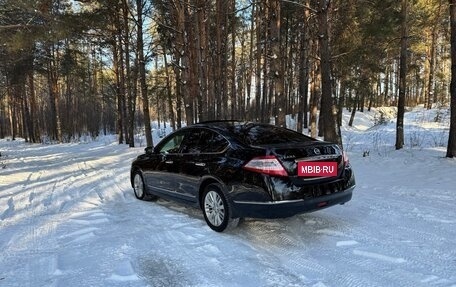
316	151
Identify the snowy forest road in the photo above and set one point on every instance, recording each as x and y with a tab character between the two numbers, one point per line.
68	217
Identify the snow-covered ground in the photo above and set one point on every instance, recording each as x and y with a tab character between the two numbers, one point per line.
68	217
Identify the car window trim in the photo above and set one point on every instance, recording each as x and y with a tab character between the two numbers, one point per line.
207	153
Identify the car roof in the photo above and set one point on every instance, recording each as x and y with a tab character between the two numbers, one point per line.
226	125
220	122
236	130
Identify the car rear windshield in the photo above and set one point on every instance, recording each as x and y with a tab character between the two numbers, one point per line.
255	134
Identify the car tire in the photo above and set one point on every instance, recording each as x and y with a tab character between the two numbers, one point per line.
216	209
139	187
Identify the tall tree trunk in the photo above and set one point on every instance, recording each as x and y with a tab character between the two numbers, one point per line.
265	113
224	57
353	112
34	120
142	73
258	68
234	103
202	49
119	96
249	114
169	93
179	66
402	77
221	37
304	63
276	69
28	121
12	112
22	105
54	96
16	105
430	89
130	96
118	71
123	91
387	85
219	97
314	99
329	122
178	100
451	148
432	96
188	76
341	102
241	81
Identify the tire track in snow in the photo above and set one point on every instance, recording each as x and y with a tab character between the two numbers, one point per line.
40	242
41	264
404	244
378	256
42	200
287	241
74	184
52	191
41	238
285	244
81	229
381	256
121	190
351	280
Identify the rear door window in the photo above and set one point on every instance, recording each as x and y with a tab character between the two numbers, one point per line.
203	141
191	143
212	142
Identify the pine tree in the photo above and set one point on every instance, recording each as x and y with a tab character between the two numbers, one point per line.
451	149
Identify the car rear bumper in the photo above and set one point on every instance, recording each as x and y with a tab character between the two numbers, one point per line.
287	208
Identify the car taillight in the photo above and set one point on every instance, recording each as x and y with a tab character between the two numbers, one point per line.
267	165
346	160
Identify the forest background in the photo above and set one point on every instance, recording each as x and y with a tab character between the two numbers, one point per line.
71	68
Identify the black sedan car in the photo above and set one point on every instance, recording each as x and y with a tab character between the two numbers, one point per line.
234	169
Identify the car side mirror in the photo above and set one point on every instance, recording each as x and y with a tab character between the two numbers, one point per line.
149	150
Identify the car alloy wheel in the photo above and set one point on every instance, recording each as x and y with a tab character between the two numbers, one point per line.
216	209
138	186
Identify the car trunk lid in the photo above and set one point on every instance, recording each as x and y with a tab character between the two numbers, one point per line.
289	155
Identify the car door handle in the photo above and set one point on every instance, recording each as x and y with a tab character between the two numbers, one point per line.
200	164
169	161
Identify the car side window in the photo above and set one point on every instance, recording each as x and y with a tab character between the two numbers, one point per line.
173	144
191	143
203	141
212	142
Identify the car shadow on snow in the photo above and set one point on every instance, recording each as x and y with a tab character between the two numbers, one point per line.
184	251
299	230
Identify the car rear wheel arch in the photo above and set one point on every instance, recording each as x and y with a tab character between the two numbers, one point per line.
217	210
204	183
